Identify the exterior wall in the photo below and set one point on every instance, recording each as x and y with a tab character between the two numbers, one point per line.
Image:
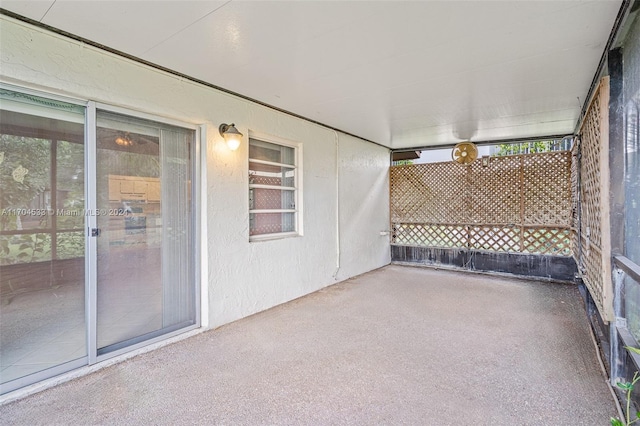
243	278
364	207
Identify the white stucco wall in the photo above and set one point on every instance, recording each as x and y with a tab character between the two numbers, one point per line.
364	201
243	277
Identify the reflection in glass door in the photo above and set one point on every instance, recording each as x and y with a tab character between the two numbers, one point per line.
42	239
67	297
145	278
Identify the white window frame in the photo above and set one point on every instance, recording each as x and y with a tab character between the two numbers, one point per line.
297	188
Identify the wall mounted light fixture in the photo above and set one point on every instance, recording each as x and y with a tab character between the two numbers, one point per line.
231	135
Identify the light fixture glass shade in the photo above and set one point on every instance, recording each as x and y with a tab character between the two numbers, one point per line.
231	135
233	143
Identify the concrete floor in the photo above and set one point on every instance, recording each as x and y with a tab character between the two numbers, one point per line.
399	345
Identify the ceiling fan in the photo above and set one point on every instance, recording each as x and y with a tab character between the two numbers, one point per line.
464	153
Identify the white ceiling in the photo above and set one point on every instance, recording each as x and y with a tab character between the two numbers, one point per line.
403	74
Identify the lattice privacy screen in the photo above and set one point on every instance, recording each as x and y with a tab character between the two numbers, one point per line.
592	255
519	203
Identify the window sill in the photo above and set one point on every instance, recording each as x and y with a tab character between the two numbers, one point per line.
271	237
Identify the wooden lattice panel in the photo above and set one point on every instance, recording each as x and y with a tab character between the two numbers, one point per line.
430	235
575	200
428	193
519	203
592	272
494	191
590	174
555	241
547	189
595	247
495	238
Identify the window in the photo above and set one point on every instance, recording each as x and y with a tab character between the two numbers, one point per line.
273	189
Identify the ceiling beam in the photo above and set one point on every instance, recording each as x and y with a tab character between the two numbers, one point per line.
490	142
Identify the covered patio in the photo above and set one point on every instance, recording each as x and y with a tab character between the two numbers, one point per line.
398	345
237	212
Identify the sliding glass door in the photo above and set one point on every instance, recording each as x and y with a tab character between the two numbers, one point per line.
97	234
42	238
145	255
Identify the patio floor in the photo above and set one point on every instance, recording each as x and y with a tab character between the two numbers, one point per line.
399	345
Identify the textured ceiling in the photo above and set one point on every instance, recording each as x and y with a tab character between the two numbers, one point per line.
402	74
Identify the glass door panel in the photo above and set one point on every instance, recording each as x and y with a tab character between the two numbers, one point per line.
145	285
42	250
